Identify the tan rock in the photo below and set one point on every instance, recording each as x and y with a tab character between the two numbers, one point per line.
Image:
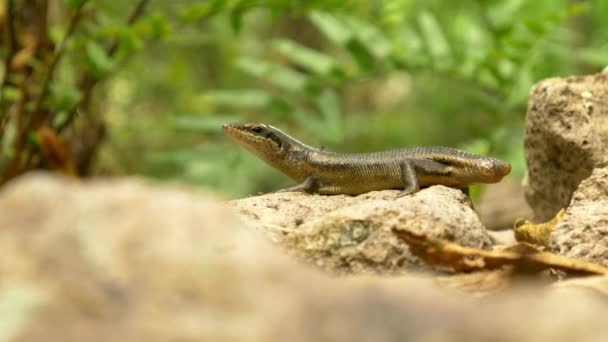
347	234
566	137
501	204
124	260
583	231
129	261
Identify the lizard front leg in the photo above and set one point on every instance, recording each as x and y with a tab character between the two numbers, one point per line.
408	176
309	185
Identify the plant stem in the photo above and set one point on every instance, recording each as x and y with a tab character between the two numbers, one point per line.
11	42
88	82
36	120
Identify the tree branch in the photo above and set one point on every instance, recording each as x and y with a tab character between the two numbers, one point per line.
11	43
55	61
88	81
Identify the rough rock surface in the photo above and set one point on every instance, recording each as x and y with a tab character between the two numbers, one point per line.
583	232
566	137
129	261
348	234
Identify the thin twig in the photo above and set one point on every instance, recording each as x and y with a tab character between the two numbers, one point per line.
57	56
11	43
136	12
14	164
88	82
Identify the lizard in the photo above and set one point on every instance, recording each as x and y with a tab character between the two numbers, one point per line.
331	173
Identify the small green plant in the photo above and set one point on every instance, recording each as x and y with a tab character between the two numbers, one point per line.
54	55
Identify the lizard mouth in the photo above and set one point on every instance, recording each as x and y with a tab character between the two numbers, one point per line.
228	129
499	170
502	167
235	132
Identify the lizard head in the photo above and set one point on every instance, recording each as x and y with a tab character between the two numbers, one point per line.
266	142
494	170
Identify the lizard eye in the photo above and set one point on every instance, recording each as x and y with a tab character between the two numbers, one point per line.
257	129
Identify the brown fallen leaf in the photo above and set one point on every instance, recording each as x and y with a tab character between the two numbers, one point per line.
537	234
522	257
54	150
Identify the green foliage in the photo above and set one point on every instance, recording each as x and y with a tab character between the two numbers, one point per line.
47	101
375	75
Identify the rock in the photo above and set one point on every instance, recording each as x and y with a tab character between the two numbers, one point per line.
347	234
501	204
583	232
123	260
130	261
503	237
575	287
566	137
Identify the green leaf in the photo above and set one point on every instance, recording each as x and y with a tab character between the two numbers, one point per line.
371	37
594	56
154	25
277	74
200	10
56	33
578	8
501	13
310	59
329	105
477	146
74	4
11	93
130	42
98	61
279	106
7	139
236	21
63	96
363	58
408	47
239	98
331	27
536	27
434	39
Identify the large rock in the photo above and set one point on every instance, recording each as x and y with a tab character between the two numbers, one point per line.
347	234
566	138
129	261
583	231
125	261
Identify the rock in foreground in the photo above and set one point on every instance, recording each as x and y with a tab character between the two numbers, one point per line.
566	137
583	232
129	261
347	234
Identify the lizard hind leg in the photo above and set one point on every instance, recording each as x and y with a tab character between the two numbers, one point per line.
410	181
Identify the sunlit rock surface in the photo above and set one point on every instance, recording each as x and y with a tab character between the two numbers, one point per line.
583	232
347	234
566	137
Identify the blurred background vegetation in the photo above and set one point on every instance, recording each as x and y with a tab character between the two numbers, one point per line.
142	87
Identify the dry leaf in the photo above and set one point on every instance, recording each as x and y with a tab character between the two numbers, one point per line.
524	258
537	234
54	150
